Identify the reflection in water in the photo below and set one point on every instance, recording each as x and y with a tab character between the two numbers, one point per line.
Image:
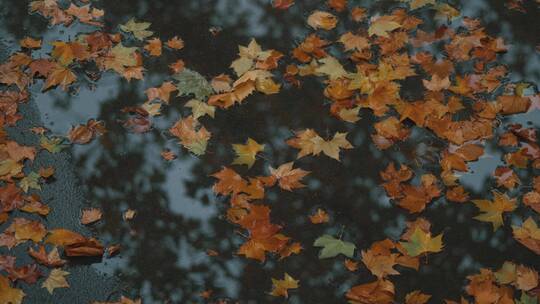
179	219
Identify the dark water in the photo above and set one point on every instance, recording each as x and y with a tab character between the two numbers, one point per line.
179	218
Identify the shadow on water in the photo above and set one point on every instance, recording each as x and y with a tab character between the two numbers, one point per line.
178	216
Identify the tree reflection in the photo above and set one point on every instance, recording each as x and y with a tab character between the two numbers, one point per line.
163	256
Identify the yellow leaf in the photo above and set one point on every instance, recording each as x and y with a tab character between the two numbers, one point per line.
309	142
138	29
280	287
246	153
9	295
199	108
382	25
492	211
422	242
330	66
56	279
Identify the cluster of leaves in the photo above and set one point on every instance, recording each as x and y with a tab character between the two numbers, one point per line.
379	53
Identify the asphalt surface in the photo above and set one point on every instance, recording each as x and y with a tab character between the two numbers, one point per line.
65	197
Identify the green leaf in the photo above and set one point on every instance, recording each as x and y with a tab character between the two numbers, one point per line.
31	181
422	242
332	247
53	144
191	82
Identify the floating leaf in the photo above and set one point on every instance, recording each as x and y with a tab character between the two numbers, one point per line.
280	288
333	247
245	154
191	82
138	29
422	242
492	211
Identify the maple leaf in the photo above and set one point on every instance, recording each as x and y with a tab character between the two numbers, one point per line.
249	55
90	216
56	279
319	217
228	182
119	58
288	178
323	20
332	68
175	43
309	142
177	66
66	52
380	264
163	92
382	25
9	295
138	29
191	82
333	247
199	108
53	144
245	154
221	83
192	135
492	211
153	47
422	242
30	181
436	83
51	259
28	230
280	288
528	235
351	42
86	14
59	76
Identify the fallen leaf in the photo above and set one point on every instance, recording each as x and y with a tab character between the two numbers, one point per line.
492	210
323	20
9	295
309	142
422	242
246	154
90	216
138	29
280	288
56	279
333	247
287	177
319	217
381	26
175	43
